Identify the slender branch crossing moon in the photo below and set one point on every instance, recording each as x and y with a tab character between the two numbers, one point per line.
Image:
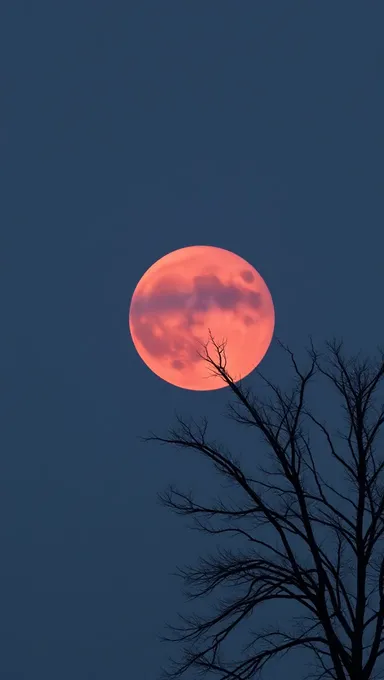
189	293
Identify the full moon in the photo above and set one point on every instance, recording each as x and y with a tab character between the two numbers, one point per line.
190	293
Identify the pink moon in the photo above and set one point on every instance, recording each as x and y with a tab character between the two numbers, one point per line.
189	293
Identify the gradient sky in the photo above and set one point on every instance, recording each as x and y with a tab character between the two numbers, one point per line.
127	130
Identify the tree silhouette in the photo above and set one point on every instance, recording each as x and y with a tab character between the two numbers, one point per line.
337	591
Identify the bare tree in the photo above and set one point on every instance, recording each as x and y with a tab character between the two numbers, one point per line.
338	590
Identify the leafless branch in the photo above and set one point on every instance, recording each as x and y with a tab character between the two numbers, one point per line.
303	512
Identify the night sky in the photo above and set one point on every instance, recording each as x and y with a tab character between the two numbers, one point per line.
127	130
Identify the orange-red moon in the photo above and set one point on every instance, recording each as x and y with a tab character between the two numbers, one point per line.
190	292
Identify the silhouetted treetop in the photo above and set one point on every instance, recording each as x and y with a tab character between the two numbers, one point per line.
297	538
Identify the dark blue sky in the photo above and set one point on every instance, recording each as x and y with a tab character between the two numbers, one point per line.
129	129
